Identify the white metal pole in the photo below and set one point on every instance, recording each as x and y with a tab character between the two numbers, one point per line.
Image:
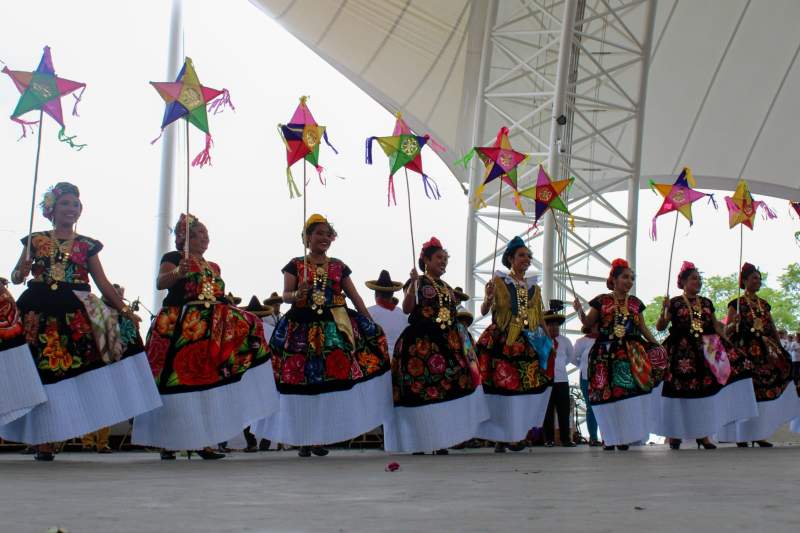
166	211
553	166
633	185
477	133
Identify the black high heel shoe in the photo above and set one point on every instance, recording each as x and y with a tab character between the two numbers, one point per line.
608	448
167	455
304	451
516	446
44	456
623	447
762	444
741	445
441	452
706	444
499	448
319	451
206	455
675	444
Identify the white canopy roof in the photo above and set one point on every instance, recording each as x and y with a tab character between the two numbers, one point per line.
721	94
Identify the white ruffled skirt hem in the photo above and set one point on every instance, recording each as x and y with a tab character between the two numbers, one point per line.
436	426
193	420
771	415
93	400
511	417
327	418
696	418
20	387
629	420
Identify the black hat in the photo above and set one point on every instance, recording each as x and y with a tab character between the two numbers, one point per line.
554	314
273	299
384	283
257	309
235	300
460	295
463	314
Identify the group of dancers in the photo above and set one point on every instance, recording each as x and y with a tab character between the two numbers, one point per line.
71	363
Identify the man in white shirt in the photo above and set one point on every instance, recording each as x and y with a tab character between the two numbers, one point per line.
559	397
271	321
582	348
794	351
385	311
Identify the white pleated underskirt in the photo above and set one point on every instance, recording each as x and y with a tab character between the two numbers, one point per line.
93	400
511	417
696	418
629	420
436	426
772	414
20	387
193	420
327	418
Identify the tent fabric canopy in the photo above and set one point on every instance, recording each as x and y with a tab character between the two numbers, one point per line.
720	89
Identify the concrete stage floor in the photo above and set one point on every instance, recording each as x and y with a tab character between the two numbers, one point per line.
646	489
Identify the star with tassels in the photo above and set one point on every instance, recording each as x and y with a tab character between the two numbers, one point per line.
302	137
500	161
187	98
742	208
678	196
404	149
546	194
796	206
42	90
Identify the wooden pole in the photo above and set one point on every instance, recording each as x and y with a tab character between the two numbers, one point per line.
35	182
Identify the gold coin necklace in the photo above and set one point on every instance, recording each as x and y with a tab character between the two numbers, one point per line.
522	301
59	257
696	312
620	316
319	286
206	293
754	303
444	298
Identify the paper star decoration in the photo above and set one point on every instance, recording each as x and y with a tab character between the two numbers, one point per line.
404	150
796	206
679	197
742	208
302	136
500	161
42	90
187	98
546	194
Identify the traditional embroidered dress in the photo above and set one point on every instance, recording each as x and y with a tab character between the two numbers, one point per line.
331	365
90	359
20	387
777	399
707	383
438	396
623	387
515	382
211	364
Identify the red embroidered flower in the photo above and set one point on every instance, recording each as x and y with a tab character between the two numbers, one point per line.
337	365
618	392
165	321
416	387
10	325
506	376
484	362
685	366
437	364
80	250
194	365
415	366
157	348
292	372
79	326
600	377
432	392
423	348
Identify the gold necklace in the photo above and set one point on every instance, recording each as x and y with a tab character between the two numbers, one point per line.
319	285
521	317
443	317
59	257
754	303
206	293
696	312
620	316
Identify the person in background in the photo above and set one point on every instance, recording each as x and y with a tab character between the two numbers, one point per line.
559	398
581	349
385	311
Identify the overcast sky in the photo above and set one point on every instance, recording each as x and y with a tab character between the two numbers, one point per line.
118	47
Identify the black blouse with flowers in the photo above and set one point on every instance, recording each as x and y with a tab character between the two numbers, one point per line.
188	288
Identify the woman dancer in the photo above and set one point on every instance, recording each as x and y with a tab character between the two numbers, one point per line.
752	331
706	384
89	355
622	381
331	363
513	353
438	396
208	357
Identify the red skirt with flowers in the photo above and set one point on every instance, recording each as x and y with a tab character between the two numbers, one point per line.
195	347
432	365
509	369
312	355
